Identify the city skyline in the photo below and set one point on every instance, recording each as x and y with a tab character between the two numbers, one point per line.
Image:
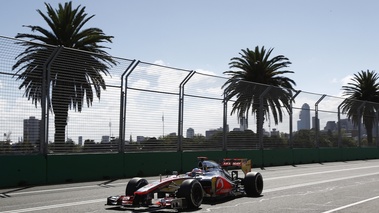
31	130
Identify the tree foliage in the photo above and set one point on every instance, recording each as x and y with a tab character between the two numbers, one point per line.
362	100
251	74
77	76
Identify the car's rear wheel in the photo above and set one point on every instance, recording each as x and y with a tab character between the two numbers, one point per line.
253	184
134	184
192	191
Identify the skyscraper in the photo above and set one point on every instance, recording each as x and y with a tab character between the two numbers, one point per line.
304	121
31	130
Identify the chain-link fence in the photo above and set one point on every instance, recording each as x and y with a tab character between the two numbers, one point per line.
67	100
83	101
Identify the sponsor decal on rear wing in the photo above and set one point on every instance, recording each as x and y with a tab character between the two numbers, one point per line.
242	163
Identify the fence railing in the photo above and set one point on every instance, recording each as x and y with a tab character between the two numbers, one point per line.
150	107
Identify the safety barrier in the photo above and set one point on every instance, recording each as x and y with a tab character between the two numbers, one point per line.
29	170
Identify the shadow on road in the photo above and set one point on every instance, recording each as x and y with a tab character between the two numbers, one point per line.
6	194
105	184
208	201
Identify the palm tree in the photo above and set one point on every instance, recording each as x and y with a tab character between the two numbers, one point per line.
76	74
255	72
363	96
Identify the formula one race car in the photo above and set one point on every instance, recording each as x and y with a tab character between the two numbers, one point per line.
208	180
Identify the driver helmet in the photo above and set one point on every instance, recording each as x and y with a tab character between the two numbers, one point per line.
195	172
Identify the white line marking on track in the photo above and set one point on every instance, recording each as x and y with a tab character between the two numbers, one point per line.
324	172
40	208
62	189
318	182
350	205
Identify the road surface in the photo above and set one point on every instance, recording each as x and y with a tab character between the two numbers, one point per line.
330	187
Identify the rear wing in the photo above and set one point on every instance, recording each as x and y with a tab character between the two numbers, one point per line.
242	163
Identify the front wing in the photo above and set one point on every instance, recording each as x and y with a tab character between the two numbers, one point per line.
128	202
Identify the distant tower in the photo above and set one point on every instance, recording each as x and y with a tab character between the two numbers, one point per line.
80	140
304	121
31	130
190	133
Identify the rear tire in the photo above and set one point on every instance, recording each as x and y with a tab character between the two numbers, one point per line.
135	184
253	184
192	191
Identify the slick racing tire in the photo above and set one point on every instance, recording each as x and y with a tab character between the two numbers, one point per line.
134	184
192	191
253	184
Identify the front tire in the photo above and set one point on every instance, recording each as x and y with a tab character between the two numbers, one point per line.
135	184
192	191
253	184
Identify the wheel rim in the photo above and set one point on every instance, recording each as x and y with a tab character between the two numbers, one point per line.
197	195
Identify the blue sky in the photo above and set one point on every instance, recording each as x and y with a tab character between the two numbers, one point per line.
326	41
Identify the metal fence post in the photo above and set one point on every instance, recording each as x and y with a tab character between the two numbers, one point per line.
225	124
45	101
121	147
181	106
291	117
339	123
123	98
317	123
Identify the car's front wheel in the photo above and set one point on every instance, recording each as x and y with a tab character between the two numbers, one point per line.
192	191
135	184
132	186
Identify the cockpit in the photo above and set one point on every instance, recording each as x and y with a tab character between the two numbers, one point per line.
208	165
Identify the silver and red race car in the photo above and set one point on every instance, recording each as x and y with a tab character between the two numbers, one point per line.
208	180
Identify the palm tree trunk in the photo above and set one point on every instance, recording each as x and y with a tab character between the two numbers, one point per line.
60	107
369	134
60	122
259	128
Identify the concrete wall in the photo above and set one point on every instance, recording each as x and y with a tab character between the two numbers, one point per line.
25	170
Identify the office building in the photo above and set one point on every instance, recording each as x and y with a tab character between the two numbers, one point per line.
304	121
190	133
80	140
330	125
105	139
31	133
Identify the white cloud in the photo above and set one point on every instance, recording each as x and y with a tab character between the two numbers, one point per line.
208	72
160	62
347	79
